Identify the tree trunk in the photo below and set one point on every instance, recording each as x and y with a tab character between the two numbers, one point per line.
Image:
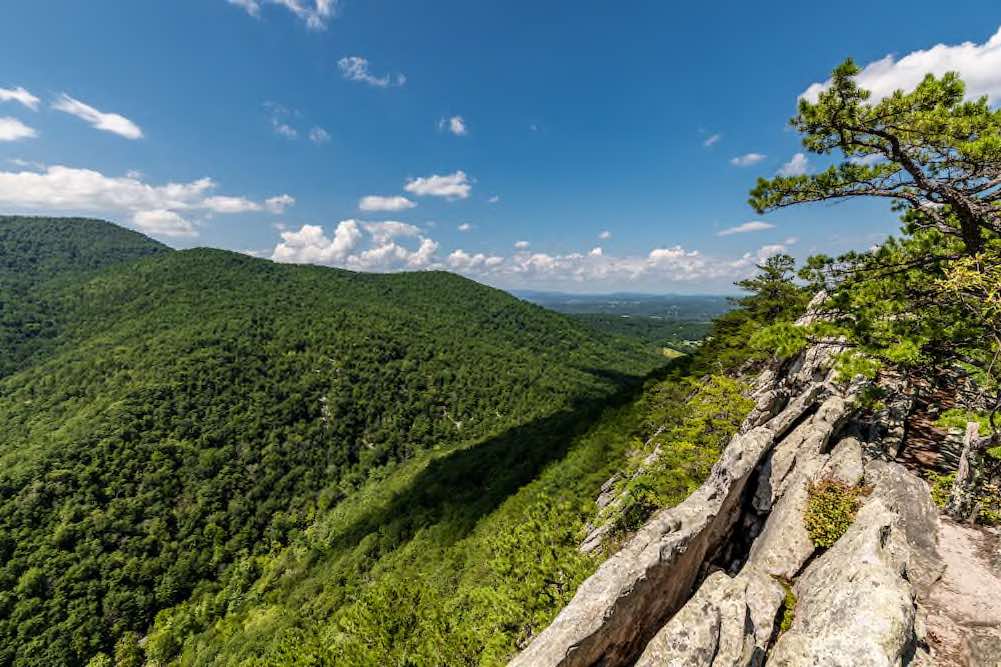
962	499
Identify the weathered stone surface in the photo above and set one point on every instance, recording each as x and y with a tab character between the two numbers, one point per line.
618	609
784	545
728	623
855	605
798	451
982	648
908	497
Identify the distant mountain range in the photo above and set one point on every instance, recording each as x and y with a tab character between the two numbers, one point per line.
693	307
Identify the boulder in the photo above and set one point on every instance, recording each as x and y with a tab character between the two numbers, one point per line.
728	623
909	498
855	606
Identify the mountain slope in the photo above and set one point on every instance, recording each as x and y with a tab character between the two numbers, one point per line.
187	409
37	251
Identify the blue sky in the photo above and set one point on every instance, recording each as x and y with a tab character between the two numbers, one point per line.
585	146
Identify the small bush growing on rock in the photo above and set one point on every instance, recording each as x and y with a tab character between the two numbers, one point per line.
830	509
941	487
788	605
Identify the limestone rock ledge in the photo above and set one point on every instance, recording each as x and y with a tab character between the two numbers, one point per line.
859	602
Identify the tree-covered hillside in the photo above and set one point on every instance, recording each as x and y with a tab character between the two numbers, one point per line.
173	413
38	251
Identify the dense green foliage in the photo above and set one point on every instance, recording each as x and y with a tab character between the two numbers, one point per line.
761	325
690	421
35	252
681	335
190	412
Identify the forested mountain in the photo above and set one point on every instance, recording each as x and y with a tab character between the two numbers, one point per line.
166	414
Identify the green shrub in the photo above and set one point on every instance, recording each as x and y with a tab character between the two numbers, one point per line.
941	487
958	418
830	509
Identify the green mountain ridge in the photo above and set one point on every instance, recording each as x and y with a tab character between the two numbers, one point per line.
168	414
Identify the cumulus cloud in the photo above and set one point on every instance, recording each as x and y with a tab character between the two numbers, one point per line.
107	122
796	166
460	260
456	125
363	246
315	14
978	64
493	200
11	129
464	227
162	222
378	203
356	68
605	235
712	140
69	189
319	136
450	186
392	246
753	226
747	159
20	95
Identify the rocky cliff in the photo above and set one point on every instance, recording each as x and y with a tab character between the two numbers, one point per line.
732	577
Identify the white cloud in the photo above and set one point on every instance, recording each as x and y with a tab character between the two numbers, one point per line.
753	226
866	160
309	245
747	159
68	189
796	166
384	232
712	140
464	227
377	203
364	246
21	95
284	129
223	204
450	186
355	68
319	136
463	261
278	204
493	200
456	125
11	129
604	235
978	64
315	14
393	246
108	122
161	222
